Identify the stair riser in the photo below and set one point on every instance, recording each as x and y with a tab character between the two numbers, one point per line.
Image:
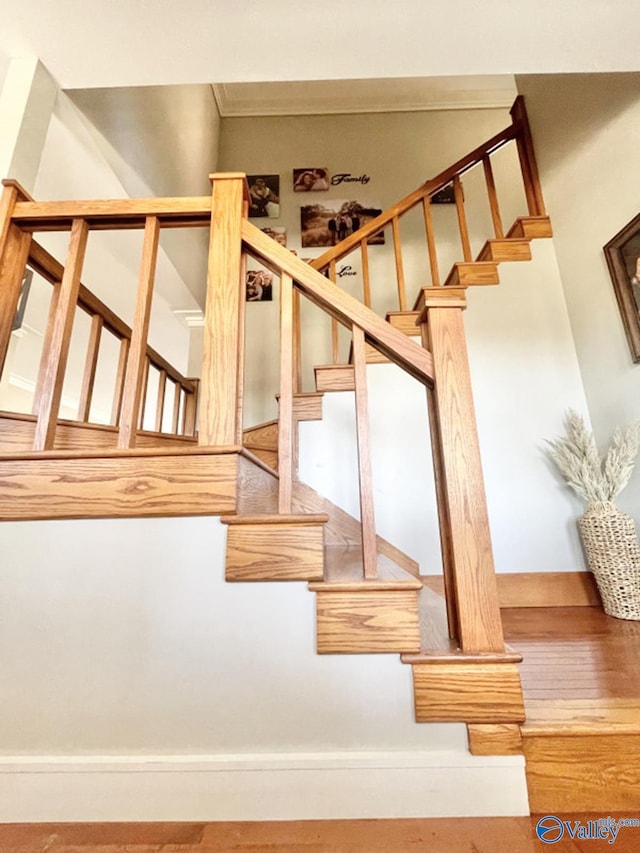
467	693
367	622
274	552
339	378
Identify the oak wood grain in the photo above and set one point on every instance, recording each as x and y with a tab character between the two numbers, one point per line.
366	621
334	377
12	264
17	430
478	617
129	486
365	478
90	366
134	394
494	739
221	381
60	338
286	425
467	692
277	551
494	206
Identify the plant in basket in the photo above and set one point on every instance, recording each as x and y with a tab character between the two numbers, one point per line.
608	535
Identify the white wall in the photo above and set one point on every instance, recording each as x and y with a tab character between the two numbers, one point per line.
72	167
523	360
586	131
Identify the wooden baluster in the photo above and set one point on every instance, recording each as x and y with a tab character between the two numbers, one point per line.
60	338
116	407
12	264
162	389
177	399
46	346
528	165
191	409
493	198
297	343
335	341
90	365
397	251
467	552
133	400
462	218
285	413
367	514
220	400
144	385
431	242
366	284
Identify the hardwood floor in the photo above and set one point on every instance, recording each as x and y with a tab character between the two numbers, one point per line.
581	684
468	835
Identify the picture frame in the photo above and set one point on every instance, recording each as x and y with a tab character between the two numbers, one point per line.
264	196
622	253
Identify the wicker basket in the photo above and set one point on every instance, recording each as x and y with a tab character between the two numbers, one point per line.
611	546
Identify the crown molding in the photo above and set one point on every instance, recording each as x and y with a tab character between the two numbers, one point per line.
339	97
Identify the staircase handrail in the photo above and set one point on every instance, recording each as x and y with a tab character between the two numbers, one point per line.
518	130
340	305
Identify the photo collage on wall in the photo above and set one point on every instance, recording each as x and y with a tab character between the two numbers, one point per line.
322	223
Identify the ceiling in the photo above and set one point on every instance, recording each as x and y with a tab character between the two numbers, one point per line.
92	43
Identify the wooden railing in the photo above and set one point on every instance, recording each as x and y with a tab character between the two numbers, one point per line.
518	133
440	364
136	357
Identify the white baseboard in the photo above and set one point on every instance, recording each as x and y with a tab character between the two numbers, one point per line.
260	787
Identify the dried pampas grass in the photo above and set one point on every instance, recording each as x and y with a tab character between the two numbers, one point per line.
577	457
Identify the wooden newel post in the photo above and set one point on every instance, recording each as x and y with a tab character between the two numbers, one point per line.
220	420
472	598
528	165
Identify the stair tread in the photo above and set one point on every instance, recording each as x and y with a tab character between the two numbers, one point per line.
435	643
343	570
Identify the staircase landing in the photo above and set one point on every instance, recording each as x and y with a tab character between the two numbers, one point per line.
581	683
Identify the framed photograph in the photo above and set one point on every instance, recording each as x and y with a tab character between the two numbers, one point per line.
259	285
264	191
444	196
323	225
22	302
277	234
310	180
623	258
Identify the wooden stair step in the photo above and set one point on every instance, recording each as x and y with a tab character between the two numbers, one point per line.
472	274
262	440
507	249
274	547
335	377
307	405
450	685
531	227
405	322
357	616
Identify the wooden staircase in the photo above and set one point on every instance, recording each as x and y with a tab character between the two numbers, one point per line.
370	597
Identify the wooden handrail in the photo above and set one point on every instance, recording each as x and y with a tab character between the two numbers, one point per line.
429	188
337	303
